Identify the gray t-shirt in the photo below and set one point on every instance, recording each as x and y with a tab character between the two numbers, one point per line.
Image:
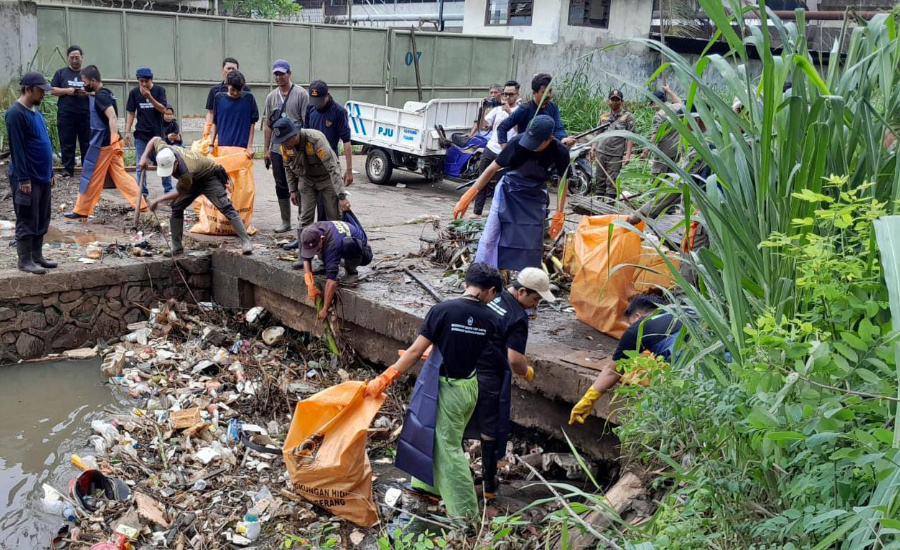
293	106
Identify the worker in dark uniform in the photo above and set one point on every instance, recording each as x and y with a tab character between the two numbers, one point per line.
513	235
446	391
196	175
333	242
647	332
505	355
325	115
30	172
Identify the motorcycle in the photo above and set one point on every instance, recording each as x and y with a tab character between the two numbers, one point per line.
581	174
463	154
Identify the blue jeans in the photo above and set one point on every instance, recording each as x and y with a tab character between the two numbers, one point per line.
139	146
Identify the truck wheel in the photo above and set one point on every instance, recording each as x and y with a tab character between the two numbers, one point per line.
379	167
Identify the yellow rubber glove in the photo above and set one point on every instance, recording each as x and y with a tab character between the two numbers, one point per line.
312	291
529	374
583	408
460	210
556	226
377	385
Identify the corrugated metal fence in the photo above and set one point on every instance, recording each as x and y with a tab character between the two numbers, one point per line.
185	53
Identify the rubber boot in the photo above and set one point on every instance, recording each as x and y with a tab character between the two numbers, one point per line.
26	263
295	244
176	226
489	467
246	244
37	253
285	206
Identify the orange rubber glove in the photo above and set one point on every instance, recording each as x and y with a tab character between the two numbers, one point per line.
460	210
312	291
425	354
377	385
556	226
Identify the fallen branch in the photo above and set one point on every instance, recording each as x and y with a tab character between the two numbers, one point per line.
434	294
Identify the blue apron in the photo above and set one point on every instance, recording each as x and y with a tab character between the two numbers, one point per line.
415	448
513	235
99	134
665	347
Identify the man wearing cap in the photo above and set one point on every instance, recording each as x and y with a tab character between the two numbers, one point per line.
146	103
540	104
30	172
446	391
333	242
490	423
513	235
105	158
613	153
196	175
326	116
289	101
312	171
664	135
73	121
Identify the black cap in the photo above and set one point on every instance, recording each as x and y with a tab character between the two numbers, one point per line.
35	80
616	94
538	131
282	130
318	91
309	240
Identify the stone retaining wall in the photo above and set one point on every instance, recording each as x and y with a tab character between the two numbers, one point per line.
63	310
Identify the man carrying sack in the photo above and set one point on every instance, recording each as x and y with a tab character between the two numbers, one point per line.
446	391
196	175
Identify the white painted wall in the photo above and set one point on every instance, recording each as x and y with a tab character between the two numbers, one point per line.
450	8
544	28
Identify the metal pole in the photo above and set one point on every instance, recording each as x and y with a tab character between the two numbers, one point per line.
441	15
415	56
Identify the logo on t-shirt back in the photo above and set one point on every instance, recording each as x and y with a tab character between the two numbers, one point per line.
470	321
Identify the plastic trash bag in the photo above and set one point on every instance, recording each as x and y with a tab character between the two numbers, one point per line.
241	191
606	272
325	451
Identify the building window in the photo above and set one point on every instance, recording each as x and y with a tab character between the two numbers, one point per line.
589	13
508	12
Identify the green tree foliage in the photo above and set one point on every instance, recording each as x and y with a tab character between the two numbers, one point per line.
262	9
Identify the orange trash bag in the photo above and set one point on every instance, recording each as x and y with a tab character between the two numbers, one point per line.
325	451
606	276
241	190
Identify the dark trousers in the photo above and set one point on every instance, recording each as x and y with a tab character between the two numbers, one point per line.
214	190
281	184
32	210
487	157
72	128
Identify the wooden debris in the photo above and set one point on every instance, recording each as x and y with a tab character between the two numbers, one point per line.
187	418
150	509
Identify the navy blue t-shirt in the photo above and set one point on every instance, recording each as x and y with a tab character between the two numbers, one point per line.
461	329
335	232
333	121
29	145
233	117
513	333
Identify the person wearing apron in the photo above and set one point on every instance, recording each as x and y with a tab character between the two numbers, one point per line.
506	354
646	333
105	154
446	391
513	234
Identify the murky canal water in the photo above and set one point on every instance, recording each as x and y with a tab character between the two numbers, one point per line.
45	415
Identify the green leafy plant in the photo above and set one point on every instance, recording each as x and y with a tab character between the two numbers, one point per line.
411	541
262	9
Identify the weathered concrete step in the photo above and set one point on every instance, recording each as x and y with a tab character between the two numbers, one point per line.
379	319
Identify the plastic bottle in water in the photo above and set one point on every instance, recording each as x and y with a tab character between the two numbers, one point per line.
68	512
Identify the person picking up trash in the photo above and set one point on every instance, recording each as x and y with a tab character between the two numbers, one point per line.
196	175
513	234
646	333
333	241
491	421
446	391
30	172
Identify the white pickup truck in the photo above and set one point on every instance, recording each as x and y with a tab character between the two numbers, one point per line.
411	138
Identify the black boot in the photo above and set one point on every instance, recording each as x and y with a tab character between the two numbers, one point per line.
26	263
489	467
241	231
176	226
37	253
295	244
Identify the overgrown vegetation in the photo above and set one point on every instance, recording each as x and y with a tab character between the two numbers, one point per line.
45	64
262	9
